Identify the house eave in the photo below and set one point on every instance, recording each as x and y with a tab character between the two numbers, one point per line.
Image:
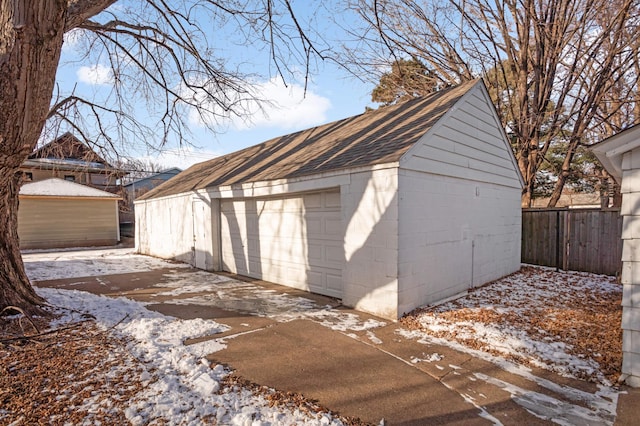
611	150
52	164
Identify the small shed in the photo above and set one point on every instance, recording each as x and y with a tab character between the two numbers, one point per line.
389	210
620	155
57	213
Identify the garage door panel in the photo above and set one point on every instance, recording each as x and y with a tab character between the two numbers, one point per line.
333	226
334	282
314	226
294	240
316	253
314	279
312	201
334	255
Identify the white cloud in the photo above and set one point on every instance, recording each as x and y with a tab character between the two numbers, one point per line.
182	158
284	107
95	75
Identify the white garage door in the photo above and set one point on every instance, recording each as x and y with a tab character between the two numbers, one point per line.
294	240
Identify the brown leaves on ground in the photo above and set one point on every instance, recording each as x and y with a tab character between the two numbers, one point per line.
79	374
546	305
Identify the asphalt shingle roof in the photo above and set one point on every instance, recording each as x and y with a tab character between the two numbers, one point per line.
375	137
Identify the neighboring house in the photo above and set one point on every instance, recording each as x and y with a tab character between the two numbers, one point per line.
66	157
620	155
138	187
388	210
58	213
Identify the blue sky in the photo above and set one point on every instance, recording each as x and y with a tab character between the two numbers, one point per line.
331	94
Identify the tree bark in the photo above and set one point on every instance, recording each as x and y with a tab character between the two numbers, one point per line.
31	35
14	283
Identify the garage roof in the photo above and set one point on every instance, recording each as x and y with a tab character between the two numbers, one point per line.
375	137
55	187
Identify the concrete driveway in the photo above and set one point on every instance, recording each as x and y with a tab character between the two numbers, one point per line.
352	363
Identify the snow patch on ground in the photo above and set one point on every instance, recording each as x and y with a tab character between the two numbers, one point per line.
179	380
181	387
429	358
42	265
499	317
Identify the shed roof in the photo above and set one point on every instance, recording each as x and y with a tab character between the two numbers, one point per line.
375	137
56	187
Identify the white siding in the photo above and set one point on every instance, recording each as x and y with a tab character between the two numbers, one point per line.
370	218
466	143
630	189
454	234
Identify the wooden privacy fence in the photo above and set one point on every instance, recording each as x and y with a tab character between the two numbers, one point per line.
587	240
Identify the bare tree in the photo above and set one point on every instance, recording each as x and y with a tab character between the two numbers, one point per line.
159	53
551	63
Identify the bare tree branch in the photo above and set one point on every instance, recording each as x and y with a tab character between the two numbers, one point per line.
553	67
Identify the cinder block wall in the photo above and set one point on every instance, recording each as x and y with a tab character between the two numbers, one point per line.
454	234
370	218
164	227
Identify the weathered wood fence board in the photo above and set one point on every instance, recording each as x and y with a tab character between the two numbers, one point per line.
586	240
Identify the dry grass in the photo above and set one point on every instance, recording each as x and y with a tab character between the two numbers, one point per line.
581	311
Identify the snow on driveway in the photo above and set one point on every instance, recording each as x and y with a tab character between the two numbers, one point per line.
558	321
180	387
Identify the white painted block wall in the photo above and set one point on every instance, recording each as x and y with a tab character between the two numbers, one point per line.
454	234
630	210
370	219
164	227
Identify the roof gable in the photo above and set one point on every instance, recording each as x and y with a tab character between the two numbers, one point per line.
67	147
377	137
468	142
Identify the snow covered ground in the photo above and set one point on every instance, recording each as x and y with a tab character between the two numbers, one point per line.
567	322
514	322
179	385
72	263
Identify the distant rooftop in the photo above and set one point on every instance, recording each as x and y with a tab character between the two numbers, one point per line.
56	187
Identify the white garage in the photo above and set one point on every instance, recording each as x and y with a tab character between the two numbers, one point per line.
295	239
388	210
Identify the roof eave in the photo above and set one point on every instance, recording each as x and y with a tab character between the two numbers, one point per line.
610	151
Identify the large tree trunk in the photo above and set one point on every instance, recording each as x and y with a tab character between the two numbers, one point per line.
14	284
31	35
